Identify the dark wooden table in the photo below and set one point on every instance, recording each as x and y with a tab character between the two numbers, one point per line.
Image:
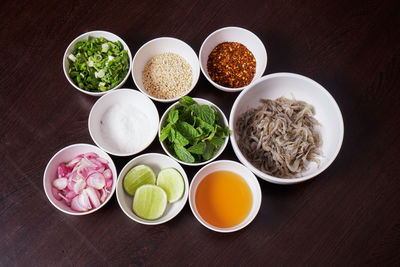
348	215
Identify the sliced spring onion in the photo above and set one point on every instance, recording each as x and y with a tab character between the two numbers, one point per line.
98	64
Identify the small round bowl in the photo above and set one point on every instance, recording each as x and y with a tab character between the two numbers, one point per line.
107	35
246	174
159	46
199	101
157	162
233	34
291	85
143	114
64	155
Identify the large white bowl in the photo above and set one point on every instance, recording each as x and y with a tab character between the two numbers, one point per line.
199	101
157	162
142	108
246	174
159	46
234	34
64	155
71	47
291	85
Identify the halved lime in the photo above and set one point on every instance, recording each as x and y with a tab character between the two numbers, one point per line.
138	176
172	182
149	202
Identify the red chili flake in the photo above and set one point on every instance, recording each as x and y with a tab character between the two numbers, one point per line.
231	64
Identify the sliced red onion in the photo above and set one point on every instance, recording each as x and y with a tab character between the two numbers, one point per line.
79	186
89	155
74	161
107	174
96	180
81	202
109	183
84	182
62	170
103	195
70	195
60	183
104	161
94	199
55	193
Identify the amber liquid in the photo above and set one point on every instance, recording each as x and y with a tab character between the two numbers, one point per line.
223	199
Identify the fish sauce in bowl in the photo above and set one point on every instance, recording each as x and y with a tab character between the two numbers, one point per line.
223	199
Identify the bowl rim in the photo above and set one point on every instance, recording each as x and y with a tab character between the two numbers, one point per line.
268	177
111	165
228	89
185	194
119	91
195	78
87	34
249	218
207	102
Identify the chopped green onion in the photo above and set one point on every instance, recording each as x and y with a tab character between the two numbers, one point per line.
98	64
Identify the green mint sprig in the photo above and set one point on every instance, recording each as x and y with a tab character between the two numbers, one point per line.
193	132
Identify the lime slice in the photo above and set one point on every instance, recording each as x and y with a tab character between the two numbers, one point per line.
172	182
138	176
149	202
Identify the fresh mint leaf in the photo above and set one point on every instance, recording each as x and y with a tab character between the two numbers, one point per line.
206	127
180	139
165	132
186	101
217	141
183	154
171	136
197	149
173	116
208	150
207	114
187	130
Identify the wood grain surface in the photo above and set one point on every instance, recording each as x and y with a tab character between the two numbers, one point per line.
347	216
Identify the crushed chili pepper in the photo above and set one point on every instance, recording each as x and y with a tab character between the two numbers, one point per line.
231	64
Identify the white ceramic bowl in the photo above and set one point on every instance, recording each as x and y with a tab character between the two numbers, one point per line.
157	162
142	122
159	46
71	47
64	155
246	174
199	101
291	85
234	34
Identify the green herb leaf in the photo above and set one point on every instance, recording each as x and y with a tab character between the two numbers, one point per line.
186	101
165	132
180	139
207	114
173	116
208	150
197	149
217	141
187	130
183	154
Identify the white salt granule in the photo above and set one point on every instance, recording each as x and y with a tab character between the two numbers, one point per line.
124	127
